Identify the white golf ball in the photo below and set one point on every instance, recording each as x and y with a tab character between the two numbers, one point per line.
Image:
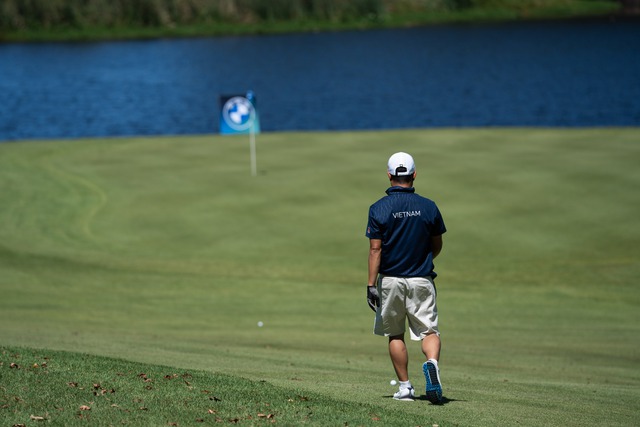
260	324
393	382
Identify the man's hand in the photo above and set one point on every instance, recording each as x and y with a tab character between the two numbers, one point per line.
372	297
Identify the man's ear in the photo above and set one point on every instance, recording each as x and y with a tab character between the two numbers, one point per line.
414	175
389	175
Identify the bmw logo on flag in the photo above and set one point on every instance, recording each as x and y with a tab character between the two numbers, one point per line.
238	115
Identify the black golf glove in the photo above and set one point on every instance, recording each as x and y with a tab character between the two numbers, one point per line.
372	297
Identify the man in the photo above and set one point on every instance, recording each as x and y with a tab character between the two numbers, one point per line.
405	235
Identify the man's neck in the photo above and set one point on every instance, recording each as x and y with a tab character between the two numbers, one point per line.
401	184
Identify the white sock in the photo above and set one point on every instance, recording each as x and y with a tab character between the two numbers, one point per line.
434	361
405	384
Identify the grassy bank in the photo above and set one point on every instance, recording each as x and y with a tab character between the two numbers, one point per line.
44	386
163	254
101	19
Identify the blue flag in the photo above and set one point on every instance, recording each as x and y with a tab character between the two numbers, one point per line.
239	114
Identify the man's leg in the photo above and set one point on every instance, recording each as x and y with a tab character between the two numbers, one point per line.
399	357
431	346
400	360
431	349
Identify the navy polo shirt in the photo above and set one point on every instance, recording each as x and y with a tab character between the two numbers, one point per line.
405	222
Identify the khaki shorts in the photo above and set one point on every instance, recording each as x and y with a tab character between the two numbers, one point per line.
412	299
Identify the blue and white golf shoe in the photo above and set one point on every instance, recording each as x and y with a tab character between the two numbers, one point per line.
432	375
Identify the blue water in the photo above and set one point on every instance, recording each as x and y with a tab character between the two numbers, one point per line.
535	74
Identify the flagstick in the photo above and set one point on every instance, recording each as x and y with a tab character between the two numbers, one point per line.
252	143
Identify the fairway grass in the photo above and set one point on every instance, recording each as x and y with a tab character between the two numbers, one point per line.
163	254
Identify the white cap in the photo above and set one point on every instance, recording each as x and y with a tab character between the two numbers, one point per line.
401	164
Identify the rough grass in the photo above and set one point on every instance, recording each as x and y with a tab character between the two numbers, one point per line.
166	252
43	386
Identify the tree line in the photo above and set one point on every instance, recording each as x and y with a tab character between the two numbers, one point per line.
18	15
26	14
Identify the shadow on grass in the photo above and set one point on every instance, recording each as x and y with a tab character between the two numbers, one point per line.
423	398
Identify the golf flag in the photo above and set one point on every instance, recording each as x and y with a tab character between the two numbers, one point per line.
239	114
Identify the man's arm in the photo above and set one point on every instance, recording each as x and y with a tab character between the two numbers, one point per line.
375	253
436	245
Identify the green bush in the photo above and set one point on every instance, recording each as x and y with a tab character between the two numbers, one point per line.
35	15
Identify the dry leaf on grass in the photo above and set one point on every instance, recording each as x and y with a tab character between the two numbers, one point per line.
267	416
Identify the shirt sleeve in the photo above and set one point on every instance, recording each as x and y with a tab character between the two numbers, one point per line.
373	226
438	224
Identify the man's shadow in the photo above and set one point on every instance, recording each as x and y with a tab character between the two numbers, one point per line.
444	401
423	398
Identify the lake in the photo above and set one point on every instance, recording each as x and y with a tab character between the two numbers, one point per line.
552	74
